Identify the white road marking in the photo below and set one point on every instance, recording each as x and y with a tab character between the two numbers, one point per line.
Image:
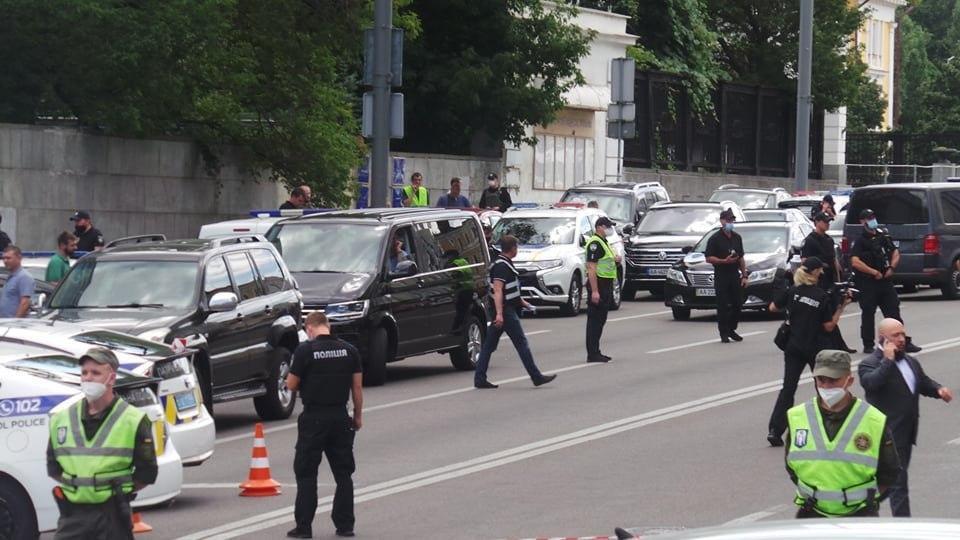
528	334
757	516
955	441
641	316
715	340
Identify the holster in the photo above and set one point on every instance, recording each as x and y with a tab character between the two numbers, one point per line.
62	503
122	504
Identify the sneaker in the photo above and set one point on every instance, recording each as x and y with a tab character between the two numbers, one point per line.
724	339
544	380
484	385
299	533
735	336
347	533
774	439
607	358
598	359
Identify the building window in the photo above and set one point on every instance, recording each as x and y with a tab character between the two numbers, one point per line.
875	44
561	162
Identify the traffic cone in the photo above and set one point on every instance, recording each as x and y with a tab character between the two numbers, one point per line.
139	526
259	483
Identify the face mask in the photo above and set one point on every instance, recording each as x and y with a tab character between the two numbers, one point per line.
831	396
873	224
728	227
93	390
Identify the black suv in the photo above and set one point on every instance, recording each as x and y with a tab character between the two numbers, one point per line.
231	298
428	298
624	202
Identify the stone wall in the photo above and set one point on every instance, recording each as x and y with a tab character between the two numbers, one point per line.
130	186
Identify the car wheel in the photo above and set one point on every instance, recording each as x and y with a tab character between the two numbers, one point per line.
628	292
574	297
18	519
375	369
465	356
951	289
908	288
681	313
279	401
617	295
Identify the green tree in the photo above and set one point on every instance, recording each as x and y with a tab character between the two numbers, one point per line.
918	75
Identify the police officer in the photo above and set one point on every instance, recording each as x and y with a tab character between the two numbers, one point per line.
874	258
415	195
89	238
326	371
601	279
819	244
840	467
725	252
100	453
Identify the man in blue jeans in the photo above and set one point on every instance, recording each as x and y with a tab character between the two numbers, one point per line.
505	292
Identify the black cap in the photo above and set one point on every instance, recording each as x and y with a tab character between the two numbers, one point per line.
492	176
829	198
867	213
812	263
603	221
80	214
728	215
822	216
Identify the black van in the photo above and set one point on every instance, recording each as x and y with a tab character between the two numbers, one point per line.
924	222
428	296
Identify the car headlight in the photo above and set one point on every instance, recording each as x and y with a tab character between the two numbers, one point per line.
540	265
676	275
347	310
157	334
762	276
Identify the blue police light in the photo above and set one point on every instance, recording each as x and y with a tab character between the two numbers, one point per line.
525	205
293	212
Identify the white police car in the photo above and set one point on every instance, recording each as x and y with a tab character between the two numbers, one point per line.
191	426
259	222
35	383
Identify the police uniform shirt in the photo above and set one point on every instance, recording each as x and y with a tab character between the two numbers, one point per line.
721	247
326	366
809	307
820	246
288	206
870	249
504	272
595	252
144	452
90	240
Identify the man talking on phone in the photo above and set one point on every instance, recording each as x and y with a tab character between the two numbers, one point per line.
725	252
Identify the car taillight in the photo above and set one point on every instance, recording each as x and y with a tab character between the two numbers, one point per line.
931	244
845	245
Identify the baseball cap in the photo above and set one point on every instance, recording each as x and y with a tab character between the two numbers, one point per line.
603	221
728	215
822	216
867	213
832	363
101	356
80	214
492	176
812	263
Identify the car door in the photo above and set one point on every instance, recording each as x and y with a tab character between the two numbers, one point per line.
254	315
436	283
404	295
225	331
461	244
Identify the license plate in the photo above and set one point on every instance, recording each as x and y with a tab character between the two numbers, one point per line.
706	292
657	271
185	400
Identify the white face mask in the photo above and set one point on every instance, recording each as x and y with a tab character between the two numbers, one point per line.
93	390
831	396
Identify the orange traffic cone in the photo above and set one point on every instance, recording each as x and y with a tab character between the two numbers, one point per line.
139	526
259	483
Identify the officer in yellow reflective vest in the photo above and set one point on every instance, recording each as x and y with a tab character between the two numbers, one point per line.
601	279
840	453
415	195
100	453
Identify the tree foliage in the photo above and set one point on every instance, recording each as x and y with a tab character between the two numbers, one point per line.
930	73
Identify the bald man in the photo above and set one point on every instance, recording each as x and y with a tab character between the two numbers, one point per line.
894	382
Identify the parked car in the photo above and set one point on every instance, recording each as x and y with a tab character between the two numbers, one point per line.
788	215
191	426
552	257
624	202
259	222
231	299
657	243
805	203
770	251
747	198
429	300
924	222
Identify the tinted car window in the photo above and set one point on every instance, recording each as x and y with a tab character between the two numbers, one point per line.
216	279
431	259
322	247
756	240
461	238
270	273
243	275
892	206
950	202
680	220
94	282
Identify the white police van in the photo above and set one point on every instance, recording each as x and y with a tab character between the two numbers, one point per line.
259	222
36	383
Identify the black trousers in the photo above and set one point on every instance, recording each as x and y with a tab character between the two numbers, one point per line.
793	363
105	521
729	300
597	315
869	511
876	294
899	492
325	431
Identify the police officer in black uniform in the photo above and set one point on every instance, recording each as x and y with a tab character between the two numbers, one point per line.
89	238
725	252
819	244
874	258
326	371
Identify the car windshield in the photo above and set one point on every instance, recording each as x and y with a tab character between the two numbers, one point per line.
680	220
335	248
755	240
96	283
744	199
123	343
537	231
766	215
618	207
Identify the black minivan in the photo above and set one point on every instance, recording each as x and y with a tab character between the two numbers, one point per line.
924	222
394	282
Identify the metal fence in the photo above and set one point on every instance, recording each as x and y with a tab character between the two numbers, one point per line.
897	148
863	175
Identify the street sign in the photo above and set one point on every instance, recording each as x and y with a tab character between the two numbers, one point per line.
623	112
396	115
622	74
621	130
396	57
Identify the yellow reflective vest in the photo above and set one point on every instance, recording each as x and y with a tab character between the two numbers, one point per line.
607	265
418	199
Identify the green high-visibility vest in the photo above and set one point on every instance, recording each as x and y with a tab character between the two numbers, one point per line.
92	467
420	198
837	474
607	265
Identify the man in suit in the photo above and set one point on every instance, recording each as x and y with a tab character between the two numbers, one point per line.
894	382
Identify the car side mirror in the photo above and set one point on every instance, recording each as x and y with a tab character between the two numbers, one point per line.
404	269
223	301
628	229
686	249
694	257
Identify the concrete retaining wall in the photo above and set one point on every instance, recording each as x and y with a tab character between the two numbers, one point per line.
130	186
691	186
438	169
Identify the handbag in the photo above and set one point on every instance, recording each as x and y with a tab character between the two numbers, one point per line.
783	336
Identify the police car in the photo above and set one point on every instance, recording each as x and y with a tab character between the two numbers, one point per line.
191	426
551	258
259	222
36	383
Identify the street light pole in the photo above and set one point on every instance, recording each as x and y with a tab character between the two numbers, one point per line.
804	100
380	170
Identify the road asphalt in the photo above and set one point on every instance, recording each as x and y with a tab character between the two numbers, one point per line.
669	434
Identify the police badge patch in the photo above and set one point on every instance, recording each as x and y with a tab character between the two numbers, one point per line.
61	435
862	442
801	438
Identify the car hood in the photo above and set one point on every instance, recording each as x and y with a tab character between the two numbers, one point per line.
326	288
542	253
663	240
130	321
755	261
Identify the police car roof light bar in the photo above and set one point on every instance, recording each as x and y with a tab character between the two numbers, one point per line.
293	212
